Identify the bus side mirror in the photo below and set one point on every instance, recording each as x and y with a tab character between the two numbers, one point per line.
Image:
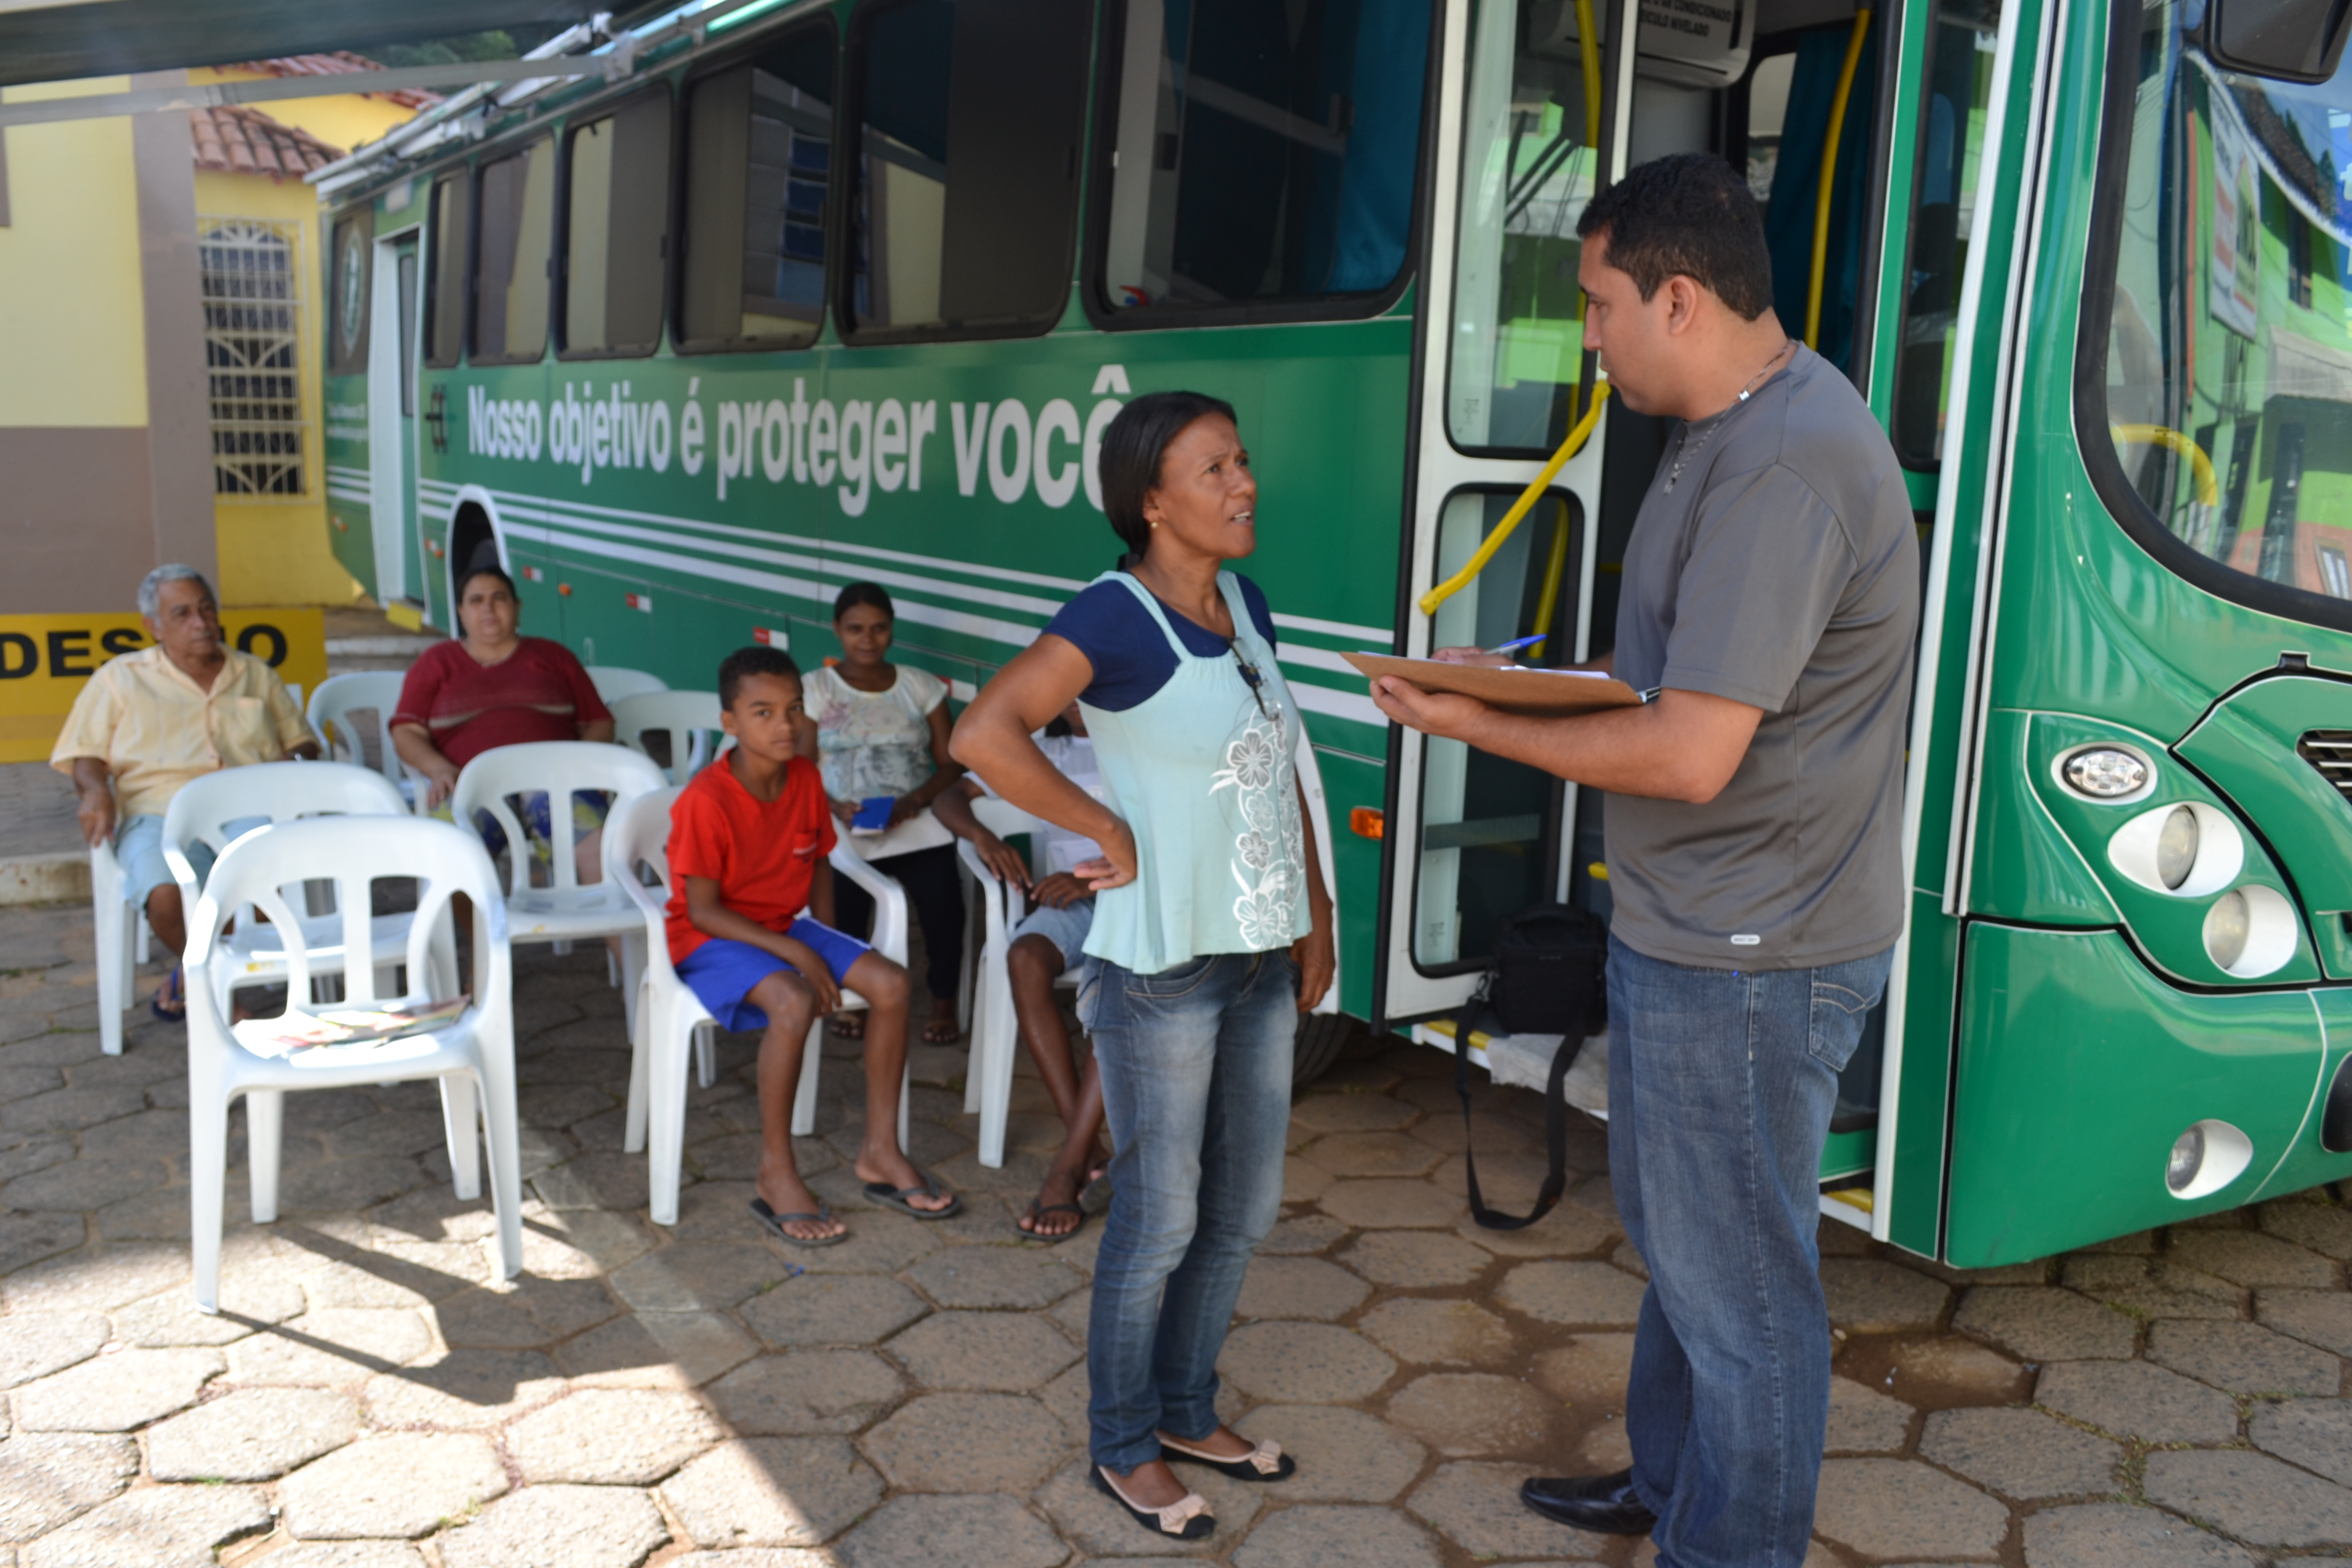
2292	40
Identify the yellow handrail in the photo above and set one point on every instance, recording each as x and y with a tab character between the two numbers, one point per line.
1587	49
2200	467
1568	448
1828	184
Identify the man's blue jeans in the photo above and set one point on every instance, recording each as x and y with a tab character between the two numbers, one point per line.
1721	1083
1196	1087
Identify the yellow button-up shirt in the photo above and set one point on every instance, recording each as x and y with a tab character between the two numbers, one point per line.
156	729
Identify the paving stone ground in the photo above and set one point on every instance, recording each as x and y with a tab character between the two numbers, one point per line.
373	1397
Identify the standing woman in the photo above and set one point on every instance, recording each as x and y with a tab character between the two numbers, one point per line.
874	727
1212	925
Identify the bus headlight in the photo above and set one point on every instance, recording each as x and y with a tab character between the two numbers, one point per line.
2176	848
2227	925
2188	1159
2104	772
2251	931
2206	1158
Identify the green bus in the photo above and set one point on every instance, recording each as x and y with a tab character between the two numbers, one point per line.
754	298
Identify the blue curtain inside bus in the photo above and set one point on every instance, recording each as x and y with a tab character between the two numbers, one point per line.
1789	219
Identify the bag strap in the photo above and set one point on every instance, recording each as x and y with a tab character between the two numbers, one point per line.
1555	1181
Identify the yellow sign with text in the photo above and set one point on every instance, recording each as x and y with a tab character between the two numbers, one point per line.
45	661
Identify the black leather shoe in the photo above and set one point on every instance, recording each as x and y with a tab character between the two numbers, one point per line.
1608	1504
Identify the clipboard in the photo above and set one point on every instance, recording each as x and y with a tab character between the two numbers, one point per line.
1534	693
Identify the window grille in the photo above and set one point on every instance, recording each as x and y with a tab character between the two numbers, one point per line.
253	354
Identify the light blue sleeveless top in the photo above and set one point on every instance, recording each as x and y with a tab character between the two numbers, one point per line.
1208	783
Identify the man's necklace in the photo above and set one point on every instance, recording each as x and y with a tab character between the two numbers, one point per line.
1685	451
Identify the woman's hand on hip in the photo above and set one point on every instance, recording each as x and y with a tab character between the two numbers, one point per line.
1313	954
1116	866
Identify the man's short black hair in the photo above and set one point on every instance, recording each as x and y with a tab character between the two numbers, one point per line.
745	662
1689	214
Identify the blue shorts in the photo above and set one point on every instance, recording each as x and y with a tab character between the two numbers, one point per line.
139	847
1066	929
722	972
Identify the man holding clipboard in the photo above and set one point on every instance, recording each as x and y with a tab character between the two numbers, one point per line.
1772	596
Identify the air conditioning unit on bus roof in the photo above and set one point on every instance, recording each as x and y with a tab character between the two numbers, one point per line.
1695	43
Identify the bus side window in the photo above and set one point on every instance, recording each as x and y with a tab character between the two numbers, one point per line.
759	146
1263	154
616	226
518	232
1951	137
965	181
445	276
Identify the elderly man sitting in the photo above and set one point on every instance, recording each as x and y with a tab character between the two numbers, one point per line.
149	721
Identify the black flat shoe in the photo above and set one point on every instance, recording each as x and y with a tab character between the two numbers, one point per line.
1607	1504
1186	1519
1266	1462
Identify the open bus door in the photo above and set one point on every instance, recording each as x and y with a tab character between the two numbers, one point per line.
391	416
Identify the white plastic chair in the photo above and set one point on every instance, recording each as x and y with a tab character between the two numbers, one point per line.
218	808
566	910
691	719
614	681
339	697
671	1020
121	939
472	1056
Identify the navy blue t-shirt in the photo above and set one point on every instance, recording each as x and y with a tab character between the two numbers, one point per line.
1107	624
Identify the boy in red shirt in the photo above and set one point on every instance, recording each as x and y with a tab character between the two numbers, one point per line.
747	842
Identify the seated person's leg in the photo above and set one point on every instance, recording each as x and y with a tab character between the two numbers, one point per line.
1034	962
148	886
852	912
881	1163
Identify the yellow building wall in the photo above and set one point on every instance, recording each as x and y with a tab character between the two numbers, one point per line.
339	120
274	548
73	344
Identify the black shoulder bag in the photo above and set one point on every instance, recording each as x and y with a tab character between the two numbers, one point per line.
1546	979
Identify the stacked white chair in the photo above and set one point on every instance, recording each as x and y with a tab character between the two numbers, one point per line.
670	1022
120	934
614	681
472	1056
567	911
218	808
691	719
329	711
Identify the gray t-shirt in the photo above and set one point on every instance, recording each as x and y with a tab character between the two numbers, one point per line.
1782	570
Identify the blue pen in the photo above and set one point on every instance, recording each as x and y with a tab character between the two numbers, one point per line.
1516	643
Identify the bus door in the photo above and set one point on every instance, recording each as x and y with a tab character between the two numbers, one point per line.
392	416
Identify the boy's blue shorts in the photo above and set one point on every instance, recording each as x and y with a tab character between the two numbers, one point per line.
722	972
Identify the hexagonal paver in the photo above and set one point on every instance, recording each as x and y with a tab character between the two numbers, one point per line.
2244	1358
1473	1414
612	1436
1100	1528
576	1527
349	1554
45	1479
1343	1456
993	1277
2021	1454
1301	1233
697	1275
24	1237
117	1392
1476	1506
1352	1114
1324	1533
2314	1433
94	1279
251	1435
396	1486
1948	1370
1900	1509
1375	1155
2250	1258
1415	1260
1591	1295
1864	1421
2134	1399
2119	1535
1872	1296
170	1319
772	1492
993	1530
879	1242
333	1346
2251	1496
34	1344
2153	1288
2322	1318
155	1527
1589	1372
2041	1324
1001	1352
968	1442
1299	1288
808	1393
1385	1203
2305	1220
581	1244
657	1350
462	1389
837	1310
1307	1364
523	1314
1425	1330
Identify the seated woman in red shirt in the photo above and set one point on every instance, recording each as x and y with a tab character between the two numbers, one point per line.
489	687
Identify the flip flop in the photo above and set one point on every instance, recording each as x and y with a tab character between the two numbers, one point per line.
774	1223
931	1037
175	984
1266	1462
1186	1519
847	1026
897	1197
1038	1211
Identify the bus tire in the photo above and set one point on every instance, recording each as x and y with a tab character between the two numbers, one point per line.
1323	1039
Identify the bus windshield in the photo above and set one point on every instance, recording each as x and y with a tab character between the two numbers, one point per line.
2230	348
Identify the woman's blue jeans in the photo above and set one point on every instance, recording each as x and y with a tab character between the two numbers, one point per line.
1196	1087
1721	1083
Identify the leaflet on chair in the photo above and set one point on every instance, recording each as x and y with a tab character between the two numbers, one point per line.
298	1032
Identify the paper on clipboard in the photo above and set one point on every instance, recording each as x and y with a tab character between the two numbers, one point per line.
1537	693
